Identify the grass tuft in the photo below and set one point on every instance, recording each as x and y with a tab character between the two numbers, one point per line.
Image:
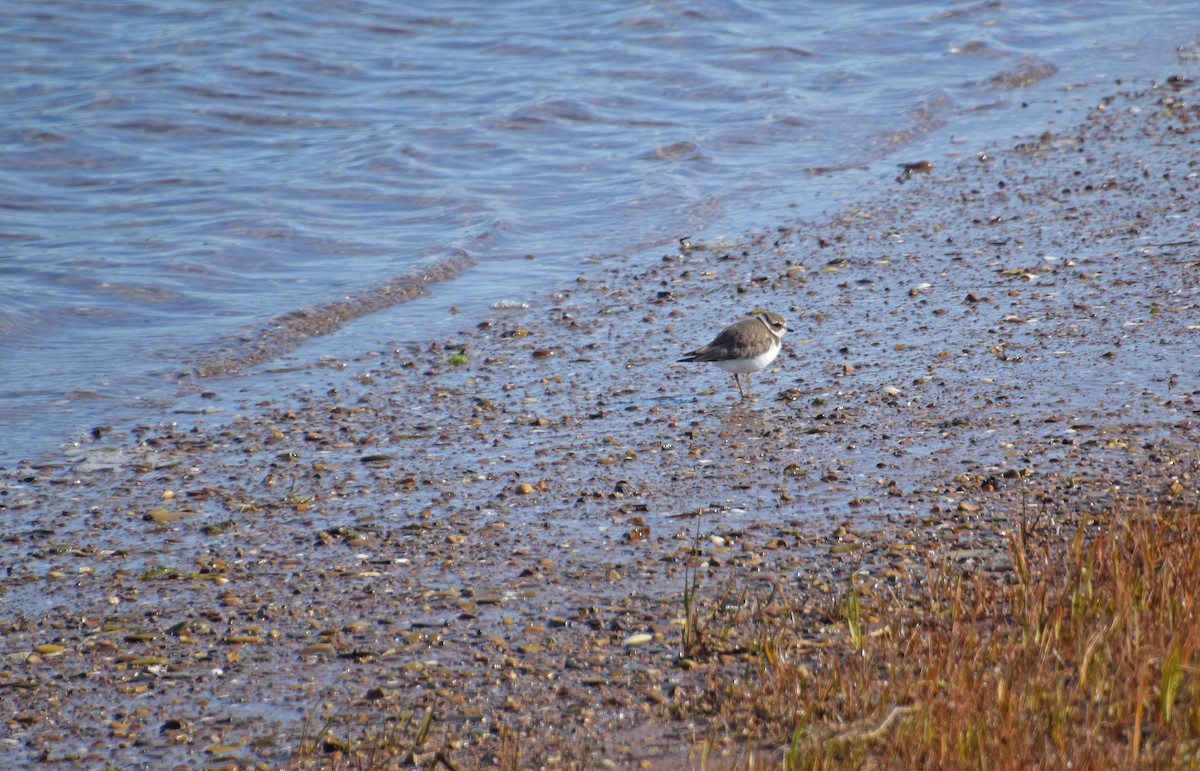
1085	653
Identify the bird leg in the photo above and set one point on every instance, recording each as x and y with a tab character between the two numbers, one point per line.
739	384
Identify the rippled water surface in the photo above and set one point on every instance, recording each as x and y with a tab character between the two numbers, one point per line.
185	177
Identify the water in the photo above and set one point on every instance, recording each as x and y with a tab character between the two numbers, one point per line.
179	178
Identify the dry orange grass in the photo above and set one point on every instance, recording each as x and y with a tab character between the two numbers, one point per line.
1084	656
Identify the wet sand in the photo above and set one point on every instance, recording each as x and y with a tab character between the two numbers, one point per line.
496	526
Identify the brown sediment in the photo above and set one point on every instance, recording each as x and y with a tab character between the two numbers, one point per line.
501	538
284	333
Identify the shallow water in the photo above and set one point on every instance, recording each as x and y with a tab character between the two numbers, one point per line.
181	178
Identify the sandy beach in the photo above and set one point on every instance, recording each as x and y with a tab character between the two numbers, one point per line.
495	527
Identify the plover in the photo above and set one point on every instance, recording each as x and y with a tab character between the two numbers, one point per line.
744	347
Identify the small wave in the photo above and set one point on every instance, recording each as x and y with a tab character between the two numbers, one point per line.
980	48
567	110
275	120
974	9
139	293
677	151
283	333
1029	71
927	116
781	53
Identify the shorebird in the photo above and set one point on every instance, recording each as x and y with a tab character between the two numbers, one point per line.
744	347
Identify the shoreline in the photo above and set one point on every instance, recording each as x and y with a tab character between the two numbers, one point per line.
505	541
